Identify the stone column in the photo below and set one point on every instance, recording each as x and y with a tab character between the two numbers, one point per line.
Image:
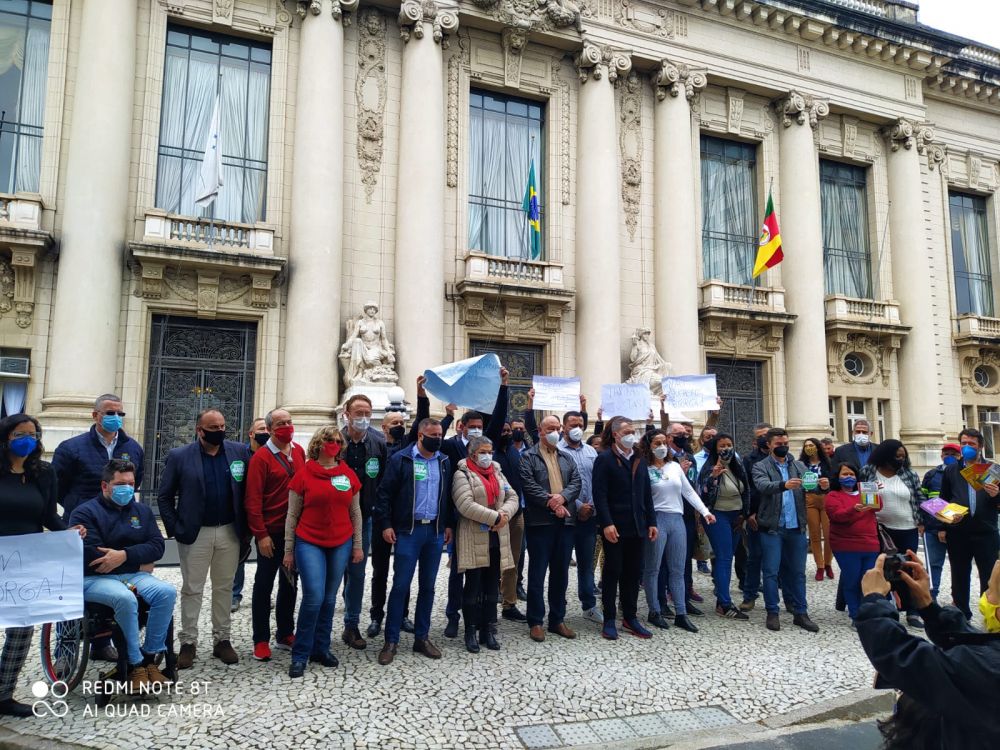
83	361
418	306
598	255
317	219
800	221
675	221
918	384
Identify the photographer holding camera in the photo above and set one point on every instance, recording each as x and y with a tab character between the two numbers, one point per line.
949	684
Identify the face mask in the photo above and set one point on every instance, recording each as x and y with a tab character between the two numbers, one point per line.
505	441
628	441
896	463
214	437
285	433
969	453
949	460
111	422
810	450
848	483
576	434
762	442
517	435
397	433
552	438
861	440
23	446
261	438
726	453
474	432
681	442
431	444
331	449
122	494
781	451
360	423
485	460
660	451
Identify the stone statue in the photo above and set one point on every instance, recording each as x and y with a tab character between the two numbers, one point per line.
367	355
645	363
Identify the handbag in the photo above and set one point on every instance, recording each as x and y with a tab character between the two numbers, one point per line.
885	542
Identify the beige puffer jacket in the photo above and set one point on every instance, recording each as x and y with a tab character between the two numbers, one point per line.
469	494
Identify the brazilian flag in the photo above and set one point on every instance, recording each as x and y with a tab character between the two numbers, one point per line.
530	207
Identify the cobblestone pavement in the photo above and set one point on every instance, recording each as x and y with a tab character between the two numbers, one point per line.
551	694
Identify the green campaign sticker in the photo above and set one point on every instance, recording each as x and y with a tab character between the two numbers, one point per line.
654	475
810	480
238	469
420	470
340	482
371	467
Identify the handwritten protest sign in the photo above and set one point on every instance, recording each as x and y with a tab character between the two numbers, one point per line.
690	393
41	578
556	394
630	400
473	383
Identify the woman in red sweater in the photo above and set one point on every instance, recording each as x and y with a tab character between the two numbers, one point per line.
853	533
322	534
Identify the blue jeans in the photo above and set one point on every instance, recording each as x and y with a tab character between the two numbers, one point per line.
936	553
853	565
724	539
784	551
669	549
321	569
238	581
421	546
550	547
354	582
584	541
112	591
751	580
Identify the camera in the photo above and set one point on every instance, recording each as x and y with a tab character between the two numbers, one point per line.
893	566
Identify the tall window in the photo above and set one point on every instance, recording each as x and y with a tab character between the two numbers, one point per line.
846	255
856	409
200	67
24	64
971	255
833	406
505	134
729	209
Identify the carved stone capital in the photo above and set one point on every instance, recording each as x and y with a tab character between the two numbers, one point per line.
305	8
674	78
907	134
594	60
801	109
414	13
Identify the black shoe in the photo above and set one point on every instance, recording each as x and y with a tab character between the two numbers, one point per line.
374	628
522	595
805	623
104	653
489	639
666	610
407	625
451	629
914	621
684	623
297	669
327	659
657	619
514	614
773	621
11	707
471	642
693	611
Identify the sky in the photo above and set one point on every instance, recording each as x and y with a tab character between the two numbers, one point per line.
975	19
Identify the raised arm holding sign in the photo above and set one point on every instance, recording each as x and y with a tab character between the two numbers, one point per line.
629	400
690	393
556	394
473	383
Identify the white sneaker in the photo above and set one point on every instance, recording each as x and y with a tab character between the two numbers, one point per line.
594	615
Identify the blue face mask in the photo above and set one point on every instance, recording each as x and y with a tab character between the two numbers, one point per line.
23	446
122	494
969	453
111	423
848	483
949	460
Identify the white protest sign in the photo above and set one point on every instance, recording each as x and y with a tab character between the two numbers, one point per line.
690	393
630	400
473	383
556	394
41	578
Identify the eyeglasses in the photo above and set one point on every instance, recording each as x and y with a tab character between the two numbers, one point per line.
338	442
16	435
113	413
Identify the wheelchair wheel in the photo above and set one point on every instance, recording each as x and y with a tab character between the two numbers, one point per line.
65	650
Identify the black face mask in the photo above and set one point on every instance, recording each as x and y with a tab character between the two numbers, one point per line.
214	437
505	441
897	463
781	451
397	433
518	436
261	438
762	442
681	442
726	453
431	444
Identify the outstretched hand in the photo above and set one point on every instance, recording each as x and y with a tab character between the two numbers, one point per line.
873	582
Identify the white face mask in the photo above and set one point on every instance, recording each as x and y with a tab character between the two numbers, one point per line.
360	423
660	451
576	434
628	441
473	432
484	460
552	438
861	440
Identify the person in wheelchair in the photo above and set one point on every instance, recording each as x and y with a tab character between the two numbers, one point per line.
122	543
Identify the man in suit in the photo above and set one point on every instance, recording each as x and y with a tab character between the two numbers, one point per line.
975	536
201	504
859	450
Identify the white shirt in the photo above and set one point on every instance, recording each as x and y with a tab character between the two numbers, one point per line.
669	485
896	512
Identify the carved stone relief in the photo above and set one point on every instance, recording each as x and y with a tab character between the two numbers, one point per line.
455	64
514	40
877	352
207	289
630	143
985	357
370	92
510	318
741	338
564	130
534	15
734	108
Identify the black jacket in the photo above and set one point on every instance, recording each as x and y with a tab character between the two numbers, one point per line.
456	449
396	498
79	462
955	489
371	473
960	682
748	461
131	528
623	497
848	454
535	479
708	486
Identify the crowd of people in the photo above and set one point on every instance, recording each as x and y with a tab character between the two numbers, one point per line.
636	505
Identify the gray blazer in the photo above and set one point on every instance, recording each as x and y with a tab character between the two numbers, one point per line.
771	486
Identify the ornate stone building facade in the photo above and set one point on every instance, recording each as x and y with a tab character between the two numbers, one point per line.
379	152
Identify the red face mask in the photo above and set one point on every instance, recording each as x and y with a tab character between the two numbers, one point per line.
284	433
331	449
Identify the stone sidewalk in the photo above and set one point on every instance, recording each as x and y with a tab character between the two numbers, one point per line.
529	695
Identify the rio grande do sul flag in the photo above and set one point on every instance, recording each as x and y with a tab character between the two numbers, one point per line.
769	251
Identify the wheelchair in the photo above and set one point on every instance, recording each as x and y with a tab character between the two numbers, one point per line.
65	649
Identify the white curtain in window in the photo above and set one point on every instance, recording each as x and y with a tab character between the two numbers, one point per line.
170	168
976	253
255	179
729	228
486	231
33	81
11	42
229	204
846	258
13	397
